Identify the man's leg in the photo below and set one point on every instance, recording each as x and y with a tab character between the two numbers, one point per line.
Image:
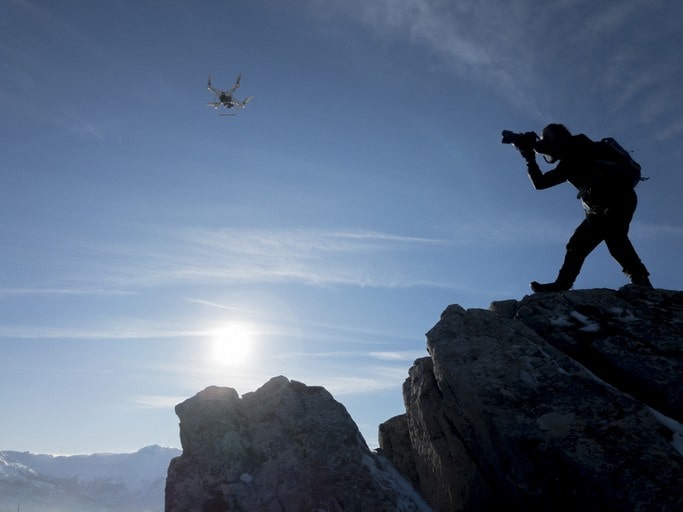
582	242
616	226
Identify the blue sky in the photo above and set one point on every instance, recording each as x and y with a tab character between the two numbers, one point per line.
151	248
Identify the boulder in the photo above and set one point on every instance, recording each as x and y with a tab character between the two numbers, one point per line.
631	338
553	402
286	447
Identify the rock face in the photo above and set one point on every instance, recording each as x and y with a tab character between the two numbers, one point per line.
547	404
286	447
561	402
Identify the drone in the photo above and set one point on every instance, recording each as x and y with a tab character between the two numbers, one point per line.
226	98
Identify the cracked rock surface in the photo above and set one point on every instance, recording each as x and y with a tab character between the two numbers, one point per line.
286	447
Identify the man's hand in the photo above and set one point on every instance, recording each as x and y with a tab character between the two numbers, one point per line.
528	154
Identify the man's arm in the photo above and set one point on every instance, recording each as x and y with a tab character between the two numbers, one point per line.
539	179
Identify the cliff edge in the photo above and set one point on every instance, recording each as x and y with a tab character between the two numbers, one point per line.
555	402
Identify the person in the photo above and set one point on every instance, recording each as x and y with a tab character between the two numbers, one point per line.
609	205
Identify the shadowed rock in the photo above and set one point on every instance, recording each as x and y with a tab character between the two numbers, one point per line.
285	447
506	414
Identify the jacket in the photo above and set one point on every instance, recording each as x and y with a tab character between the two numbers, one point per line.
580	166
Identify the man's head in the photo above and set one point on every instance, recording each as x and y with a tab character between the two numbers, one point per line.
554	142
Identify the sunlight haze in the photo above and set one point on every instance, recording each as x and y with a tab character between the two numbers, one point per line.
152	247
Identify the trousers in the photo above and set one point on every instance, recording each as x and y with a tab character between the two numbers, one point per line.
611	225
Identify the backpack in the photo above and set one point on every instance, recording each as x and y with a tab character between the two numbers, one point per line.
612	157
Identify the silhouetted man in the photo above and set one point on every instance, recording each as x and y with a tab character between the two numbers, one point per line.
609	204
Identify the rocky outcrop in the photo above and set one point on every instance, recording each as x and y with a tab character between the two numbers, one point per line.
553	402
561	402
286	447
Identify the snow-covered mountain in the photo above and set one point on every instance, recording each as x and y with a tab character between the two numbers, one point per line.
103	482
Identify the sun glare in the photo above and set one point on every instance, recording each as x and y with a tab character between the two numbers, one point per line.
232	344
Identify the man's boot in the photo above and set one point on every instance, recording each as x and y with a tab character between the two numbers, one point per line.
555	286
564	281
571	266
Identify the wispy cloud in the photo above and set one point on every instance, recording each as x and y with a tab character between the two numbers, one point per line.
364	375
27	73
398	356
387	356
126	330
615	53
262	242
662	231
229	255
46	291
151	257
268	327
483	40
376	379
157	401
221	306
82	127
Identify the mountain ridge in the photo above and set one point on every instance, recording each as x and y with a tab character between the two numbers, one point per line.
100	482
